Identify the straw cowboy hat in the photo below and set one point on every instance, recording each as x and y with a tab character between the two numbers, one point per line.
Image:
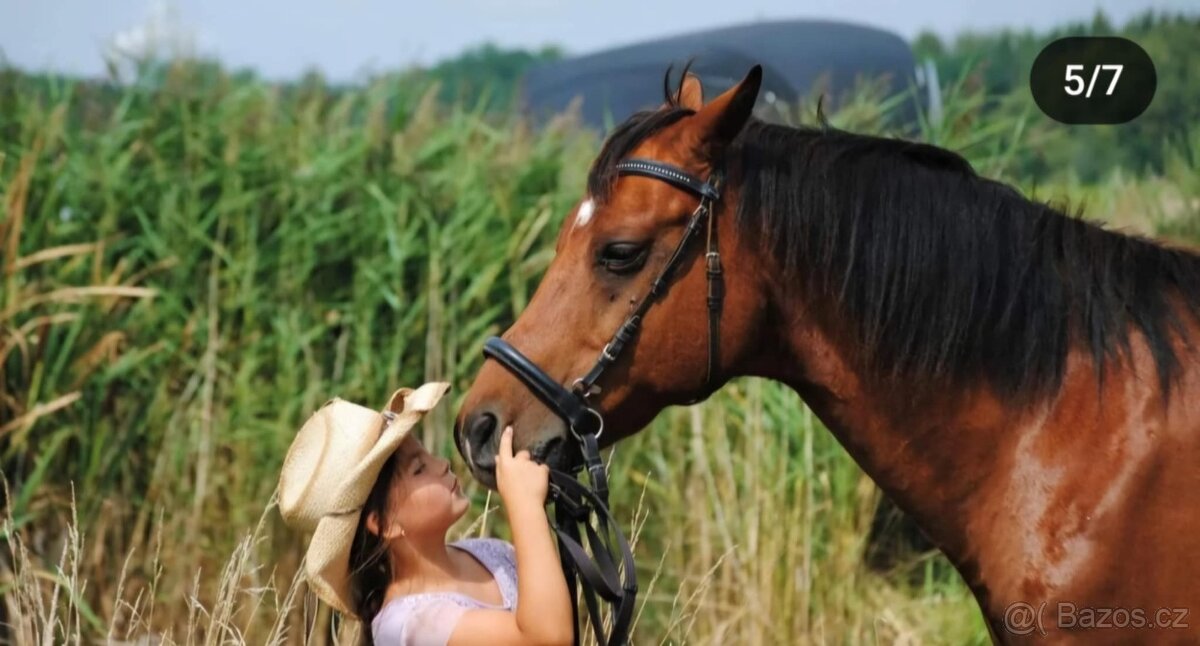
329	471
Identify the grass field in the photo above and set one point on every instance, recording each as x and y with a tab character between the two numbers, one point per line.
192	265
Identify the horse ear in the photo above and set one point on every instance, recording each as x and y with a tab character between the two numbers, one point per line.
716	124
691	93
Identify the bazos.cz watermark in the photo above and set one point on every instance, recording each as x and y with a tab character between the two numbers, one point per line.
1022	618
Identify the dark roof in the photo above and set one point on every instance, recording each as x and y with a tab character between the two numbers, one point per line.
796	56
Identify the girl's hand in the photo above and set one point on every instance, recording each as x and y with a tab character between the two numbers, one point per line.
544	614
518	477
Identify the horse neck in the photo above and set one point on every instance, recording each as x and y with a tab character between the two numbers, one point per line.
930	454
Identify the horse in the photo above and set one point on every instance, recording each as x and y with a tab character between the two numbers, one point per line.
1022	382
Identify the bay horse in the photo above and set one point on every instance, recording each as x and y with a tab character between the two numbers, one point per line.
1024	383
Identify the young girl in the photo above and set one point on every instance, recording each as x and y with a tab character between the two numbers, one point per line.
379	506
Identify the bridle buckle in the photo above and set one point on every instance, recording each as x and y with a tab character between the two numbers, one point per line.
712	261
583	391
608	352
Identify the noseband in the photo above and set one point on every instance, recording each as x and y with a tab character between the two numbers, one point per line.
574	502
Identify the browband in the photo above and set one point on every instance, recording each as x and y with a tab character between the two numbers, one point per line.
669	174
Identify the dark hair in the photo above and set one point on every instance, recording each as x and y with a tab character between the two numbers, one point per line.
370	566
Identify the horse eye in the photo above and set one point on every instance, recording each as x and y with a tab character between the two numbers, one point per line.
623	257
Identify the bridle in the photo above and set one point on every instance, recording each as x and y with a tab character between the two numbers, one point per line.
573	405
574	502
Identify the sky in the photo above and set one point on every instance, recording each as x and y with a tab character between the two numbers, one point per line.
348	39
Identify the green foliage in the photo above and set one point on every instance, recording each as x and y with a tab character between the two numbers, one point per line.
487	74
1000	63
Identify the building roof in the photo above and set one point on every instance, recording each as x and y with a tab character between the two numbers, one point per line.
798	56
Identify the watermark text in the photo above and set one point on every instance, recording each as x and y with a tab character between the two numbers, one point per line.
1022	618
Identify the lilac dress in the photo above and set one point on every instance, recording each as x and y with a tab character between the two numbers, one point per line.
428	618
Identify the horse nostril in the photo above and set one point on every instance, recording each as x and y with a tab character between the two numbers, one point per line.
480	433
545	448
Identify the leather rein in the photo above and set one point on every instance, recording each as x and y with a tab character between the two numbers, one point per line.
575	502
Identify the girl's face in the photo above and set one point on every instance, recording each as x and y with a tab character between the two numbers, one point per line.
425	496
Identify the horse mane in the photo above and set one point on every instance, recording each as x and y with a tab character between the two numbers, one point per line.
942	275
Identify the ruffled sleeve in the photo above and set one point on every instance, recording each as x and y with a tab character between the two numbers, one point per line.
501	558
424	622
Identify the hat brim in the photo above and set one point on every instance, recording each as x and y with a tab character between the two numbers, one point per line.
327	562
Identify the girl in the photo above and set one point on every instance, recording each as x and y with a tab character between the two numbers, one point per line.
379	506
